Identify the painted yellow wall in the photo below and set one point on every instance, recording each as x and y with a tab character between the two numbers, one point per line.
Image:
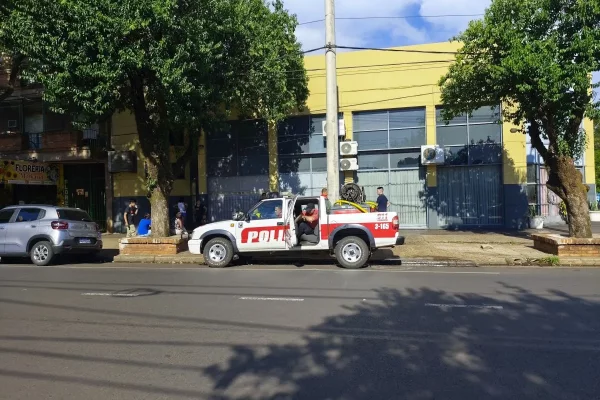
124	137
590	161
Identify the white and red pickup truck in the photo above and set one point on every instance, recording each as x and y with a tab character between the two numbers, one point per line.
271	226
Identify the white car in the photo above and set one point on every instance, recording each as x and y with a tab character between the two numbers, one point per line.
279	224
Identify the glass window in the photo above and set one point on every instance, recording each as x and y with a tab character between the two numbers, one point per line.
270	209
254	165
226	166
54	121
316	124
370	121
10	118
485	154
485	115
457	155
373	161
319	164
317	143
407	118
178	174
5	216
532	173
404	160
374	140
30	214
457	120
487	133
294	164
294	126
33	117
73	215
407	138
452	135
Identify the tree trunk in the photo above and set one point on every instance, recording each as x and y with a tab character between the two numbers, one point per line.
566	181
159	193
159	202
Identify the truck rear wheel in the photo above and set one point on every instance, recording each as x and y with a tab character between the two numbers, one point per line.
352	252
218	253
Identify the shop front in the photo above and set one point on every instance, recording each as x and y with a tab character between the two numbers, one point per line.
29	182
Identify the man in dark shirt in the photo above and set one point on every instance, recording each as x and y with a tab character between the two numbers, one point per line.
382	201
130	215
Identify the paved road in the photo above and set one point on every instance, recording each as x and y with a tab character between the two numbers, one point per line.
290	333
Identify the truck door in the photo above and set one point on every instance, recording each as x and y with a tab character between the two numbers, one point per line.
291	240
263	229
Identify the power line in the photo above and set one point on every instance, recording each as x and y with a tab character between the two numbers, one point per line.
394	17
397	50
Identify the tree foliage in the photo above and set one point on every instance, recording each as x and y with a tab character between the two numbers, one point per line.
11	63
177	64
536	57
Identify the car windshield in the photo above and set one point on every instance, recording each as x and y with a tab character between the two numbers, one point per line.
73	215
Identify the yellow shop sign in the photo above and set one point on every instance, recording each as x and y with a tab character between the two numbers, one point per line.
28	173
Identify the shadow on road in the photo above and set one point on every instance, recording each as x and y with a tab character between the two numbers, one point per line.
409	344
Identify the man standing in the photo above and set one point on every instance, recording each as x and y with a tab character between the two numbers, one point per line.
382	201
130	217
325	193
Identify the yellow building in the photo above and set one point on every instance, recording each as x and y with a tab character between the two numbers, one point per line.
389	104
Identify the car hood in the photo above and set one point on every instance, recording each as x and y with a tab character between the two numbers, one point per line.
228	226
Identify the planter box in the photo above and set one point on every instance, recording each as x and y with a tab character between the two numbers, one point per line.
14	143
595	216
152	246
61	140
564	246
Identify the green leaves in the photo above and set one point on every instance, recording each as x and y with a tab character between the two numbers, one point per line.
537	57
196	59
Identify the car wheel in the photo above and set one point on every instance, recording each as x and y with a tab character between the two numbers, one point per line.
352	252
218	253
42	254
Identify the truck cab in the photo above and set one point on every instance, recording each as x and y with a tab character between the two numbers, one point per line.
279	224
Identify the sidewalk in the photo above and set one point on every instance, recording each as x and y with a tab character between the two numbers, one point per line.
439	247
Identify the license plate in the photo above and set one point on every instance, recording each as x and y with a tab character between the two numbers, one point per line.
85	241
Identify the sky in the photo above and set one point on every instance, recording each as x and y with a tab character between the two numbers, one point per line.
428	21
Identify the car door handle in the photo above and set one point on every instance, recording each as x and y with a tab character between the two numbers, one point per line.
280	224
33	226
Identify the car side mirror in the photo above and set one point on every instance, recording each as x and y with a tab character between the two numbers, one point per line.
248	218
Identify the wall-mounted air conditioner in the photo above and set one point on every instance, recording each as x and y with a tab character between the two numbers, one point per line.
432	154
348	148
341	127
349	164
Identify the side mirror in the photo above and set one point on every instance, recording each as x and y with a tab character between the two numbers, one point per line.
247	217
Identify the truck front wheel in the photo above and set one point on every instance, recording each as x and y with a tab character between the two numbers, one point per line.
218	253
352	252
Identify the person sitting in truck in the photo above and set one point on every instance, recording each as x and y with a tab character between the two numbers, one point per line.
307	221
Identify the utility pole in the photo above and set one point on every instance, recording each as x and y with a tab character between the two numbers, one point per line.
331	126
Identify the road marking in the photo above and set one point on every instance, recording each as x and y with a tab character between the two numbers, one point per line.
270	298
112	294
453	272
463	306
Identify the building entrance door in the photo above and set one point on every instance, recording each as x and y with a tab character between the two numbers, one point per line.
85	188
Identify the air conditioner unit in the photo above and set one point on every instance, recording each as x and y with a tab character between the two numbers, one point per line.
348	148
349	164
12	123
432	154
341	127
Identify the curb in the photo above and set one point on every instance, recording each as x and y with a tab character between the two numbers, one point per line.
158	260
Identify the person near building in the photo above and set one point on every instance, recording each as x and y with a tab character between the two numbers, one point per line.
130	217
199	213
182	207
180	225
144	226
382	201
325	193
307	221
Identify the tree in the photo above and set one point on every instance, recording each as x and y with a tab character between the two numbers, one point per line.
536	57
11	63
176	64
